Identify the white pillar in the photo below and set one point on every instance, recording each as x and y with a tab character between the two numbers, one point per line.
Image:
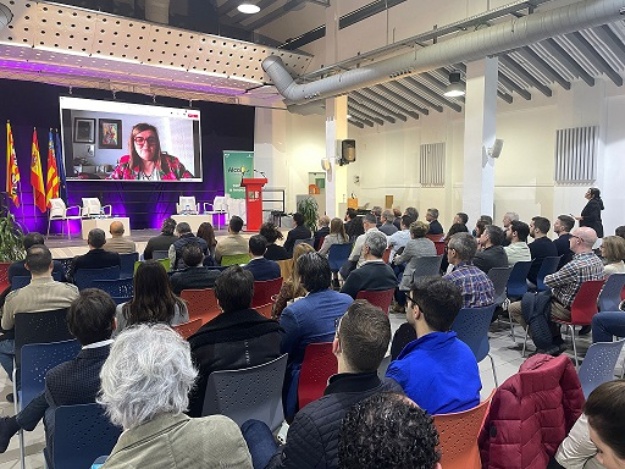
157	11
478	189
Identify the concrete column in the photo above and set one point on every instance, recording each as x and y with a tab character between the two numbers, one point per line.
478	190
157	11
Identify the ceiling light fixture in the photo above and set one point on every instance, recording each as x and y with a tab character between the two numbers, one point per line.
248	8
455	88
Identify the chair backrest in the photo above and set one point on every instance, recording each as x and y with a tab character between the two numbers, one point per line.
263	291
37	360
58	209
458	433
380	298
249	393
128	264
220	204
265	310
440	247
548	266
158	254
338	254
517	282
427	266
4	275
187	329
91	206
83	278
66	263
186	203
610	296
19	281
472	325
286	268
584	305
310	241
318	365
201	303
235	259
599	364
499	276
435	237
387	254
82	433
37	328
118	288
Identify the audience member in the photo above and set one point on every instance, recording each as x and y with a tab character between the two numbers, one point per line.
562	227
238	338
292	287
417	247
42	294
437	370
152	301
355	258
564	285
613	252
431	216
147	396
591	214
413	213
195	274
541	247
309	320
185	236
18	268
480	226
517	249
337	236
322	232
206	232
377	212
486	219
398	240
491	253
233	244
353	225
96	257
620	231
388	430
508	218
162	241
274	251
91	319
476	288
387	227
397	217
453	229
461	218
261	268
374	274
361	340
119	243
300	231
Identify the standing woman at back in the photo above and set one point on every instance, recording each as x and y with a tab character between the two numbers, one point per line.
591	215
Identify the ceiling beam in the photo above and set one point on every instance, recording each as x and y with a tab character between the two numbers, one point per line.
433	94
358	96
228	6
371	111
607	35
364	118
505	96
402	108
517	69
595	57
512	86
462	67
398	97
537	61
404	89
565	59
274	15
357	123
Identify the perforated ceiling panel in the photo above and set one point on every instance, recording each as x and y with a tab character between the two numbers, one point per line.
58	39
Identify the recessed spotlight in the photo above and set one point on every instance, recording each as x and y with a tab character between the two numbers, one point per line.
248	8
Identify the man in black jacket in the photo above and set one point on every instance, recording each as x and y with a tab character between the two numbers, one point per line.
195	275
491	253
185	236
299	232
162	241
97	257
361	341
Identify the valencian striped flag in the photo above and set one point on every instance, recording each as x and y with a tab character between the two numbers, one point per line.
13	172
36	176
53	184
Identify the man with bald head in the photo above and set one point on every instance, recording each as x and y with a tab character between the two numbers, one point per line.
564	284
119	243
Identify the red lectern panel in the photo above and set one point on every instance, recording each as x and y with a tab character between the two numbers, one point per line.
254	201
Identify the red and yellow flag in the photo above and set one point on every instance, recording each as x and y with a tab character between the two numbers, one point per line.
13	171
53	185
36	176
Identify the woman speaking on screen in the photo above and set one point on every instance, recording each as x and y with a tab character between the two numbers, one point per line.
146	162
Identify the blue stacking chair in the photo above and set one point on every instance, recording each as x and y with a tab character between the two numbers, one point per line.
121	289
517	282
599	364
472	325
338	254
548	267
128	264
500	276
82	433
610	296
83	278
19	281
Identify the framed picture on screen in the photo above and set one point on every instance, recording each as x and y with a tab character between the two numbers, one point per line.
110	134
84	130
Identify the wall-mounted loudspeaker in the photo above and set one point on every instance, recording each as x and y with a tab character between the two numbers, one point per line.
348	151
495	152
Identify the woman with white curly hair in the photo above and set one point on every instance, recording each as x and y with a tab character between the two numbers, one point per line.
145	386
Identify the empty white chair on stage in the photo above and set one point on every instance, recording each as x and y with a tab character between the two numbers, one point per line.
91	207
58	211
218	207
187	206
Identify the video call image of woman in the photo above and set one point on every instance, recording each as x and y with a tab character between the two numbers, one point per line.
146	162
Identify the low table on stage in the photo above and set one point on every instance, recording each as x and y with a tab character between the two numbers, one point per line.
194	221
87	224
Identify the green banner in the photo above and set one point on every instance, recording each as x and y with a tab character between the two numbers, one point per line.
236	165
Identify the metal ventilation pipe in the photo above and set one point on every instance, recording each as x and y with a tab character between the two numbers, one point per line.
471	46
157	11
6	16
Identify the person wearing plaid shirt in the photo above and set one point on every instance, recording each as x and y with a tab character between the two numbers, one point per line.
477	289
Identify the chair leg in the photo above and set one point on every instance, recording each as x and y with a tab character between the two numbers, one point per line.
572	329
525	341
16	407
69	231
492	362
49	221
512	329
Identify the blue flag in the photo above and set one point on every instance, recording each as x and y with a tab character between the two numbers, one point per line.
60	164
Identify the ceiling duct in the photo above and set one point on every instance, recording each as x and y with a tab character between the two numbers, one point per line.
5	15
465	48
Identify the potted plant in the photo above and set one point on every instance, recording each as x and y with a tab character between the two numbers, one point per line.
309	208
11	240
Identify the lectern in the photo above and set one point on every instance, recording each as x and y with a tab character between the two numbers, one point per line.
254	201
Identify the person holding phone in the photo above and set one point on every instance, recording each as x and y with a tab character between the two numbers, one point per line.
146	161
